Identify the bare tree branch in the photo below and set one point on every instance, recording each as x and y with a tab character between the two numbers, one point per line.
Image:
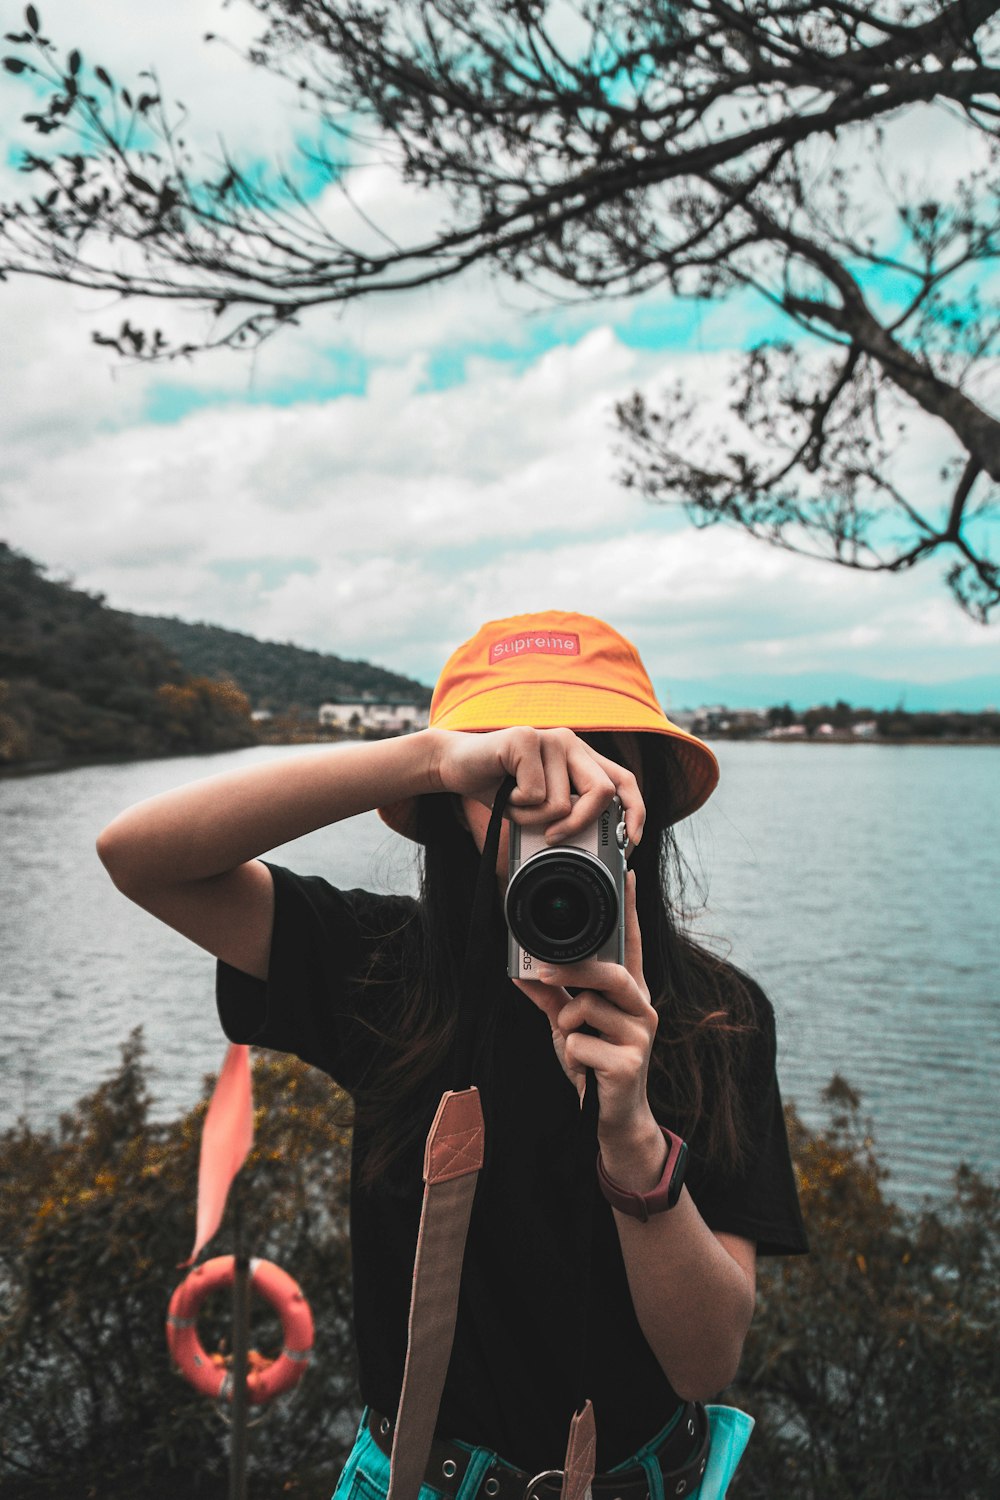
650	144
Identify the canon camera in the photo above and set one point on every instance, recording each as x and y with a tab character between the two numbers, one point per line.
566	902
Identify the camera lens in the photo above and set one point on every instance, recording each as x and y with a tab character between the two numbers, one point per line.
562	905
559	910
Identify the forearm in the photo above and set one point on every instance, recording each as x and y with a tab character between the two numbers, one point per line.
219	822
693	1301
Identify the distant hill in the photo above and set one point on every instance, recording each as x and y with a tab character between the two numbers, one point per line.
275	676
79	682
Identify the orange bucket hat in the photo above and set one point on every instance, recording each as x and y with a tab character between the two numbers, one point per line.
556	670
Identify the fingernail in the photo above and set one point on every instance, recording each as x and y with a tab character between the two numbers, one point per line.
545	971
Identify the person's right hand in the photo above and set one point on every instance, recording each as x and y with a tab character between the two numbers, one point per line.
561	783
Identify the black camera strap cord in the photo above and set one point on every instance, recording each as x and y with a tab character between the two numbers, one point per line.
454	1160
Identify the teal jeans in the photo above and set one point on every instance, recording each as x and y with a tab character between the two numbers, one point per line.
365	1475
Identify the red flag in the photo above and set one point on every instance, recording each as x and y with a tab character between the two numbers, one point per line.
226	1138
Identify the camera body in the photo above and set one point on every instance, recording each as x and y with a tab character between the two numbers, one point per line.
566	902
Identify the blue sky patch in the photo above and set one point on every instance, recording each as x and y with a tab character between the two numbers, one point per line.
272	571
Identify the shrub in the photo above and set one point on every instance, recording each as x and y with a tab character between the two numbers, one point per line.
871	1366
94	1219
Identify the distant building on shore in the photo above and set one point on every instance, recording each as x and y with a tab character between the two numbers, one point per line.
391	716
786	732
717	718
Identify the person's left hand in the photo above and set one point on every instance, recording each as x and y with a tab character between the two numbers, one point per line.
614	999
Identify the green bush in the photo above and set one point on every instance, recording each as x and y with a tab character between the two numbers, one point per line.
871	1367
94	1219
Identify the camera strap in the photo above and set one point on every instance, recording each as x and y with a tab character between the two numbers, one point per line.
454	1153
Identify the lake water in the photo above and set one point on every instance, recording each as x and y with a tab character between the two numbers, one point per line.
859	884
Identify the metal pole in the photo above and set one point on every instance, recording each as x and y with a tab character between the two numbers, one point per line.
241	1342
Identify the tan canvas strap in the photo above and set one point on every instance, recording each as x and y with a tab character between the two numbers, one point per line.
581	1455
453	1157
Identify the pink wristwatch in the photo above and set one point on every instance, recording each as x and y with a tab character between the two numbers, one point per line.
663	1196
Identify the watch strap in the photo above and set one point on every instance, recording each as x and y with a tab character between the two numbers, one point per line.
663	1196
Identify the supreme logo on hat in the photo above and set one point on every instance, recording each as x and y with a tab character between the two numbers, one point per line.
528	642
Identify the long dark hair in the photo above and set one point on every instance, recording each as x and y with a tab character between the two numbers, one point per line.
706	1014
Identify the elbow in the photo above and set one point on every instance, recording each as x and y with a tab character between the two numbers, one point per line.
105	845
704	1382
113	852
709	1368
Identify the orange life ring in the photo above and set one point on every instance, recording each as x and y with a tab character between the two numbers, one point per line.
205	1373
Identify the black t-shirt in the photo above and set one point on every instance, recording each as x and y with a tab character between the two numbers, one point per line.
512	1382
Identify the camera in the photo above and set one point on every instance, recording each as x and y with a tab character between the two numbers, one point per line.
565	902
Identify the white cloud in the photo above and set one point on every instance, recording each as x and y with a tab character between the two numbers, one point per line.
391	524
501	455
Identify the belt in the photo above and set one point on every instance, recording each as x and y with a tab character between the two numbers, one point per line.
681	1467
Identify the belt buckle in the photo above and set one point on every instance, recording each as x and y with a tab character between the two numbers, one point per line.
545	1474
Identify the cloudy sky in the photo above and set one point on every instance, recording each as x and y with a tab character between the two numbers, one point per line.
382	480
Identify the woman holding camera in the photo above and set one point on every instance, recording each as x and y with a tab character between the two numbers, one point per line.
367	988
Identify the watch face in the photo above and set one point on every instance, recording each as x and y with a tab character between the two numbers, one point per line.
677	1176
